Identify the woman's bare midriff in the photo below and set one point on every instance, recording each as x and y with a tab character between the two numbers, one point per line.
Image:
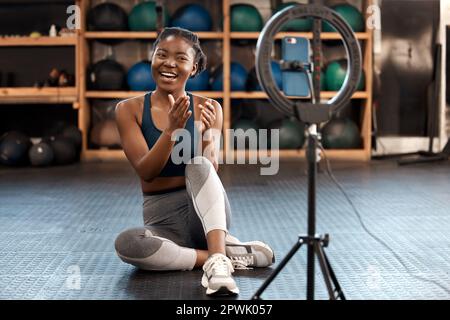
159	183
162	183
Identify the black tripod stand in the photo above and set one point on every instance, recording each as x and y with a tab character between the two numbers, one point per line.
314	242
311	113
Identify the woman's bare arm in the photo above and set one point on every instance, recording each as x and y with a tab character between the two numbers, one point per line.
211	141
147	163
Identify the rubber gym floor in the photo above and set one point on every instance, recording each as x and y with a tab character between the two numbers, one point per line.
60	222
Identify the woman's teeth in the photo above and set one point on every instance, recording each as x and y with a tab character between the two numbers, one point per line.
168	75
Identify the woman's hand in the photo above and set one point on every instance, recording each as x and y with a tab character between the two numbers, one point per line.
207	116
178	114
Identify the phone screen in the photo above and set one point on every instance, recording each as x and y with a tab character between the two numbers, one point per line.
295	83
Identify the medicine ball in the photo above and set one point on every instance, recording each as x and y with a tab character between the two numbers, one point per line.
143	17
296	24
139	77
106	134
350	14
245	18
14	148
335	75
253	83
193	17
238	77
41	154
199	83
107	74
74	134
291	133
107	17
341	134
64	150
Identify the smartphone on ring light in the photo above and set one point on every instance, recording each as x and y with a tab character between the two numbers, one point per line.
295	83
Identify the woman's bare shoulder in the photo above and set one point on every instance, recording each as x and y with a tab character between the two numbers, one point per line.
201	99
131	106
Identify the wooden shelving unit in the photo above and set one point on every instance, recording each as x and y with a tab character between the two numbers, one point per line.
129	94
44	95
308	35
263	95
226	96
38	95
142	35
40	41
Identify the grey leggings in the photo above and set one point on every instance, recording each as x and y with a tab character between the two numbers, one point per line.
175	215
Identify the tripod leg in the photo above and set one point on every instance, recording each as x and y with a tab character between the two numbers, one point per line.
337	287
325	271
277	270
310	274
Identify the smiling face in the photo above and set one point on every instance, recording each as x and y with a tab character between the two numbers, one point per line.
173	63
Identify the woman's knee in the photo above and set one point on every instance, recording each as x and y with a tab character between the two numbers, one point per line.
139	247
206	191
136	243
198	170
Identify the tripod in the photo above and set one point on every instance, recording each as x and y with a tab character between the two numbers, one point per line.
312	113
314	242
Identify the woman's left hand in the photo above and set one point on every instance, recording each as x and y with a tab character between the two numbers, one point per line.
207	116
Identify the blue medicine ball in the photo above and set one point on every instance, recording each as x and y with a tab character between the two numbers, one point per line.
199	83
238	78
253	83
193	17
140	78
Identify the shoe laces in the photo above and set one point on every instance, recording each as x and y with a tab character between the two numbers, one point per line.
242	262
220	264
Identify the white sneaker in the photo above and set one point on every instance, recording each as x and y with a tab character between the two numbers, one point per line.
248	254
217	277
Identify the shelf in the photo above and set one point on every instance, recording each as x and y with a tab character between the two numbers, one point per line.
104	154
38	95
211	94
308	35
336	154
263	95
227	96
41	41
142	35
130	94
214	35
344	154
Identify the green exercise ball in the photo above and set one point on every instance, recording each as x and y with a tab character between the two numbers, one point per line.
245	18
297	24
143	17
335	75
292	133
341	134
350	14
245	136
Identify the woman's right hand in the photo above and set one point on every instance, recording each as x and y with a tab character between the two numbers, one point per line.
178	113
